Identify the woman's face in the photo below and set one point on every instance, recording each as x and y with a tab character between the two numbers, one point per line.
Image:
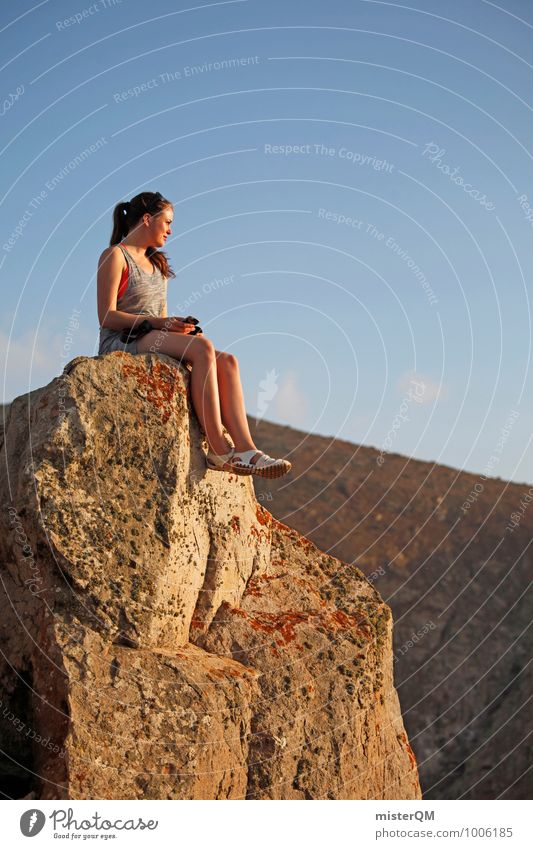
159	227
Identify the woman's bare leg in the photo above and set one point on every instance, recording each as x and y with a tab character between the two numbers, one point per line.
204	385
232	407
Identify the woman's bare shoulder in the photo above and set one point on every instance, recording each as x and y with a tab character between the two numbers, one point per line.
110	250
111	254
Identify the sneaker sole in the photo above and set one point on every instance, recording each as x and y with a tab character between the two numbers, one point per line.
231	469
270	472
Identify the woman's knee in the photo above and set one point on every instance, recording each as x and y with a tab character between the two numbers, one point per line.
203	348
226	360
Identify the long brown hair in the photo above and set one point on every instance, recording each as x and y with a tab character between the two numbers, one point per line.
126	215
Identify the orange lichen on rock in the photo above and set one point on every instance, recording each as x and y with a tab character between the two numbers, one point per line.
403	739
284	529
305	543
345	620
267	519
259	534
283	624
235	524
262	515
159	384
252	587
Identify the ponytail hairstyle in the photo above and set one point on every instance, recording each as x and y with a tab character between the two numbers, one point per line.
128	213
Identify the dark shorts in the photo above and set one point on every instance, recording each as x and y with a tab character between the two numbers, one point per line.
111	345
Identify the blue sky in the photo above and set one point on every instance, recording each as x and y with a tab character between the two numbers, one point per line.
352	189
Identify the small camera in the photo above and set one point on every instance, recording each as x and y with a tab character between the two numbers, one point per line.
190	319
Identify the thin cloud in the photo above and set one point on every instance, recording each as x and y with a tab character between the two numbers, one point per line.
290	403
423	387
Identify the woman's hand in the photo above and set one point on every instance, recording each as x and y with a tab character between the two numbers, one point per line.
177	324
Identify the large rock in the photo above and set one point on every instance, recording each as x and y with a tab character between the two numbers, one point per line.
164	636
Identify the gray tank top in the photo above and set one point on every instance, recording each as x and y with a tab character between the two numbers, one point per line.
145	294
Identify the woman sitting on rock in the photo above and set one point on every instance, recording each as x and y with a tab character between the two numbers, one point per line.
132	285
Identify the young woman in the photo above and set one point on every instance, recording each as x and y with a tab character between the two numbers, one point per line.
132	285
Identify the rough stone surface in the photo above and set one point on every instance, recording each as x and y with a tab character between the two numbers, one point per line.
163	635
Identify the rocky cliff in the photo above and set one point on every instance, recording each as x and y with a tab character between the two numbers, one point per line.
163	636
